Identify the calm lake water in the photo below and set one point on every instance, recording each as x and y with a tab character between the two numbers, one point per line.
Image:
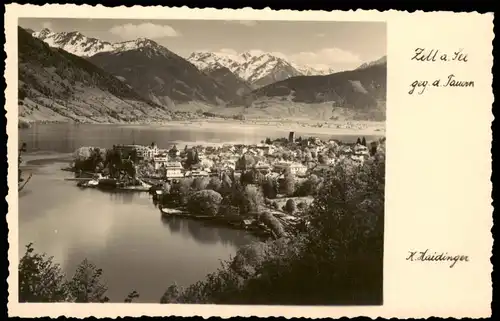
67	138
123	233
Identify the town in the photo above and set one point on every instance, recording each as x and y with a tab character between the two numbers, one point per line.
264	186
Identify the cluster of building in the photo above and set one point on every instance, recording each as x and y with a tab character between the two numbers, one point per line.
270	158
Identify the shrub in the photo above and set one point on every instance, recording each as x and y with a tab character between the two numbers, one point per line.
290	206
273	224
204	202
302	206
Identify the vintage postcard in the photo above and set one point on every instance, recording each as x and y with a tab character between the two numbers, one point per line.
205	162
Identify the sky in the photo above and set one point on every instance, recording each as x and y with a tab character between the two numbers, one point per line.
338	44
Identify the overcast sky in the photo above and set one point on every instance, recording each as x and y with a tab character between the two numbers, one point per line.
341	45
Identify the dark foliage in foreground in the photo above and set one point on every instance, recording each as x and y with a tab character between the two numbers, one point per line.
42	280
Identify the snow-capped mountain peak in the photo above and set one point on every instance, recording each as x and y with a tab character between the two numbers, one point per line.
379	61
315	70
42	33
78	44
253	65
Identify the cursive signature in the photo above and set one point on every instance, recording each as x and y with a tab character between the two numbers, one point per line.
427	255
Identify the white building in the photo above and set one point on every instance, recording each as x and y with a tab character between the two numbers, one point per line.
197	173
266	149
173	170
295	168
146	152
160	160
262	167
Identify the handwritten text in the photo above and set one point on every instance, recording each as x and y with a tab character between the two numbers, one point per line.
423	55
428	256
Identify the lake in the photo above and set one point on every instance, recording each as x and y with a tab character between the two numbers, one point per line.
123	233
66	138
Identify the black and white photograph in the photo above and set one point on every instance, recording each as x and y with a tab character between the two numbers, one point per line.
235	162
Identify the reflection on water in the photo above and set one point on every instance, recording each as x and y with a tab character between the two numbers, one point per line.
120	233
65	138
203	232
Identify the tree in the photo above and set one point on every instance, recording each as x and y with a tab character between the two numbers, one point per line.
196	157
290	206
214	184
128	168
192	157
204	202
373	148
270	188
252	176
245	162
114	162
250	199
289	184
358	141
226	184
307	155
182	190
200	183
131	296
86	284
173	152
172	294
133	157
40	279
363	142
309	187
273	224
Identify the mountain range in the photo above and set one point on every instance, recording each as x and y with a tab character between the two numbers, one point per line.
258	68
150	74
255	67
56	85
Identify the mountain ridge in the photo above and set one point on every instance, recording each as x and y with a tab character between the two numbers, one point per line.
361	90
255	66
162	76
57	85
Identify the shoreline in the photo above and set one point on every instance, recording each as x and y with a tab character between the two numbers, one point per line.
311	127
38	158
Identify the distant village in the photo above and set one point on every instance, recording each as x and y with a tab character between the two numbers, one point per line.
272	158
